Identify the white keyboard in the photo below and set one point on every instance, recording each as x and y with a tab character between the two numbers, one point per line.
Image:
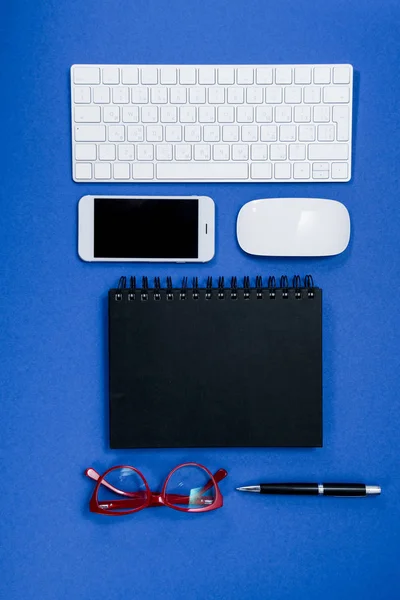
287	123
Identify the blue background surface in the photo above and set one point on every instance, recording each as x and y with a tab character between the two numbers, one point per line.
53	322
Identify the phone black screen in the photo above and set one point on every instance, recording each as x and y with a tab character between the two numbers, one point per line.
143	228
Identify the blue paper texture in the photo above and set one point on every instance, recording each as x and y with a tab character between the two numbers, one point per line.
53	322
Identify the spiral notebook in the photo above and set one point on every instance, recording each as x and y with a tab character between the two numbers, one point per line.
230	365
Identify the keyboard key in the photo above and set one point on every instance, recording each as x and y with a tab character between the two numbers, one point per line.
116	133
183	152
240	152
245	76
85	152
312	95
187	114
287	133
211	133
254	95
340	115
82	95
168	76
121	171
101	95
269	133
337	95
221	152
135	133
282	171
159	95
206	114
83	171
259	152
320	174
206	75
306	133
142	171
197	95
86	75
301	171
139	95
87	114
230	133
192	133
328	151
187	76
145	151
264	75
169	114
111	114
264	114
130	114
126	152
249	133
235	95
273	95
106	152
340	171
293	95
149	114
261	171
178	95
202	171
245	114
302	75
102	171
130	75
341	75
297	151
226	114
154	133
302	114
277	152
149	75
90	133
283	75
216	95
326	133
226	76
173	133
111	75
202	152
164	152
283	114
120	95
322	75
321	114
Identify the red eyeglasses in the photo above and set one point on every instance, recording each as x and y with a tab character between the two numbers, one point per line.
189	487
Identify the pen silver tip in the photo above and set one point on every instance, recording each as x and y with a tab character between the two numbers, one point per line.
372	489
249	488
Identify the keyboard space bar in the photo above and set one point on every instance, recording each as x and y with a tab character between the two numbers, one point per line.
202	171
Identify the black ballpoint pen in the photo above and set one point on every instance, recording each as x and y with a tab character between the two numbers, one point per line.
313	489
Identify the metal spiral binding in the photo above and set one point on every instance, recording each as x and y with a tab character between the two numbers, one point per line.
170	293
309	283
297	286
259	290
157	288
183	293
195	288
221	289
234	294
121	286
145	289
246	287
132	289
209	288
285	286
272	287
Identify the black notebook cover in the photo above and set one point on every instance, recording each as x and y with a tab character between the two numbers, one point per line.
223	366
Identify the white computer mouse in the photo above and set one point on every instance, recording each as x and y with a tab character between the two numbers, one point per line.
293	227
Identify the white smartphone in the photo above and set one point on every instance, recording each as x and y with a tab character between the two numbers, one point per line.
146	228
